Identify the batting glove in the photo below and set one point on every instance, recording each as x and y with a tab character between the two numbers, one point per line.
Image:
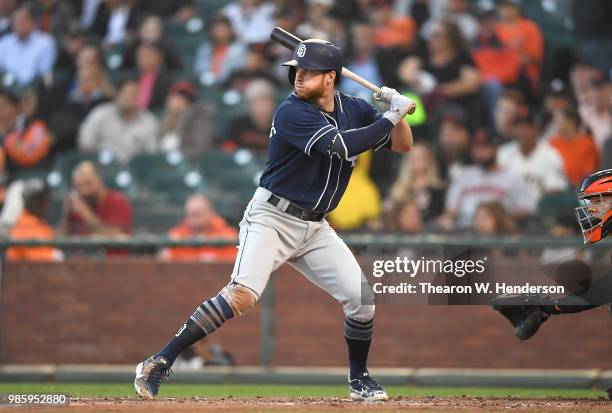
385	95
383	99
399	107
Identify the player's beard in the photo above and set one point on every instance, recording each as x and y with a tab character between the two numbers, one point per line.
311	94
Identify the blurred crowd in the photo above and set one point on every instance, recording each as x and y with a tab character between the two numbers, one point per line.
515	109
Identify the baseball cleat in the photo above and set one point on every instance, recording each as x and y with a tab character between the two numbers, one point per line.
365	389
149	375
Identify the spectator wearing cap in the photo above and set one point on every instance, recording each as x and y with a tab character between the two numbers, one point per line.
151	31
484	182
252	130
222	54
33	226
26	52
92	209
577	149
504	113
187	125
454	139
363	60
596	111
518	32
201	221
536	162
26	140
252	20
120	126
153	79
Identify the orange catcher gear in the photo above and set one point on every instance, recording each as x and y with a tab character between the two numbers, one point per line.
595	211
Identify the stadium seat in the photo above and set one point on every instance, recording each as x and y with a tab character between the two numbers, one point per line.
207	8
40	173
145	163
113	57
231	178
166	174
219	164
154	215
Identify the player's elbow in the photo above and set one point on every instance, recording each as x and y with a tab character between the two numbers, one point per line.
403	143
401	147
401	138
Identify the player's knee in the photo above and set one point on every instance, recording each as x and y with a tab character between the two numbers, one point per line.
240	299
360	304
360	312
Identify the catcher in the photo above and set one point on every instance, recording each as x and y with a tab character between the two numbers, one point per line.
527	312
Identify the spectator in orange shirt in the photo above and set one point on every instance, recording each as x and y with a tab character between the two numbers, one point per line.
577	149
92	209
32	225
522	34
499	65
201	221
26	141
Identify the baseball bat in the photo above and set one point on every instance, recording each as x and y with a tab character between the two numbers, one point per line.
291	41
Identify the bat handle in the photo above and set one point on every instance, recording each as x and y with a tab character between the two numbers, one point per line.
360	80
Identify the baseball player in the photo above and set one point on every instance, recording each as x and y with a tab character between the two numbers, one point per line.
595	218
316	135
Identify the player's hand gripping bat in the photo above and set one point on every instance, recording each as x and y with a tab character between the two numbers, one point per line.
290	41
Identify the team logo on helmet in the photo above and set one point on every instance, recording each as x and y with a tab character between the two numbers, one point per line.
301	51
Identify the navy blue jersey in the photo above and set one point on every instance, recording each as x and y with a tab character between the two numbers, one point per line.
300	168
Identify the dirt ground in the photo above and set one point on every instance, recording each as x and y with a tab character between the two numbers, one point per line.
276	405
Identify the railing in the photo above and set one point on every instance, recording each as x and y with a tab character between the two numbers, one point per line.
353	240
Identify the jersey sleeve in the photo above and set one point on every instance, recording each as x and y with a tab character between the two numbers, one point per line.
371	115
302	128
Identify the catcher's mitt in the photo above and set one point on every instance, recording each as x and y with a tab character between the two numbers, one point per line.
526	312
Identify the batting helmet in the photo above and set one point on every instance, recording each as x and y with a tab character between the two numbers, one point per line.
595	213
315	54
